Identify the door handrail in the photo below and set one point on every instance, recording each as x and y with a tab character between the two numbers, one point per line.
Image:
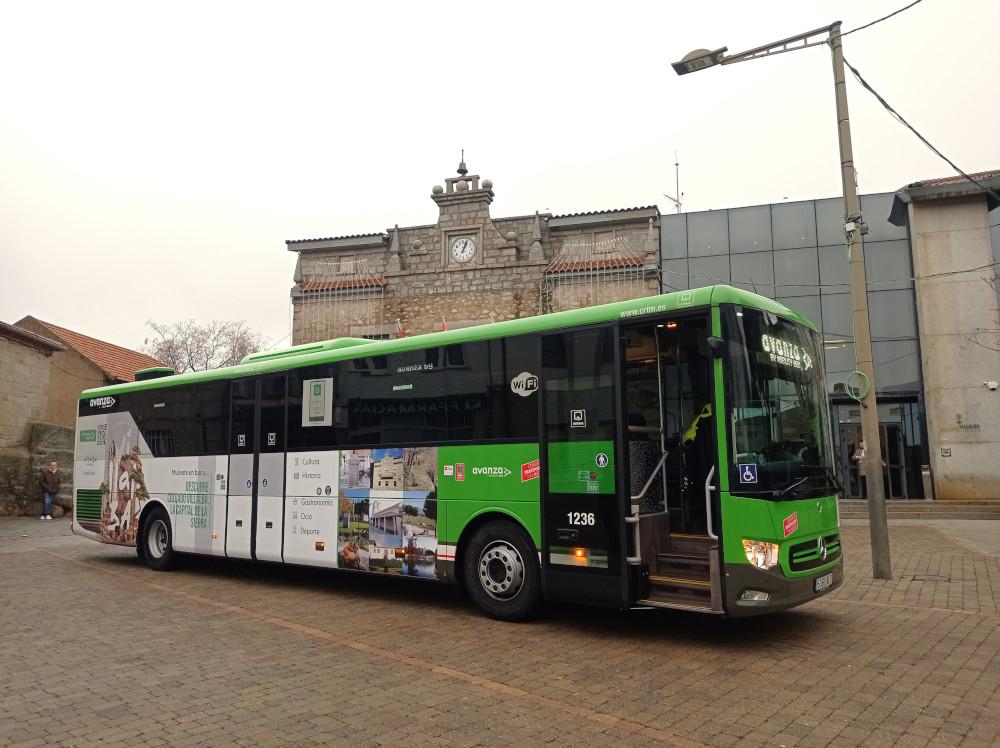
708	503
633	518
652	475
643	430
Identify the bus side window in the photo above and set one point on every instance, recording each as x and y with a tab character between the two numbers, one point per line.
515	414
212	415
484	403
470	376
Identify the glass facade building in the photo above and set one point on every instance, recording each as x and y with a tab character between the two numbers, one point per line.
795	253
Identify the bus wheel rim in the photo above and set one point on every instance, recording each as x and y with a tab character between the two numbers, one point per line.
501	570
157	538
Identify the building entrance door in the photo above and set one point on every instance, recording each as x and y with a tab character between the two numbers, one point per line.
893	461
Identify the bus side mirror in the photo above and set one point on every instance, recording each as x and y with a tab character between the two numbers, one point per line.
717	345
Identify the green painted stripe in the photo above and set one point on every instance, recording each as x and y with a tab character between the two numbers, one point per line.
664	303
88	504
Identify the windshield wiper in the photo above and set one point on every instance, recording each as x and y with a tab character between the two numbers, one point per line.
831	474
791	486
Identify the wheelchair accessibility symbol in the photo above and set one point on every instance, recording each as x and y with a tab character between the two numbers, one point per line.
748	472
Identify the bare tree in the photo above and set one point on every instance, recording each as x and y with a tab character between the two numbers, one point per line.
189	346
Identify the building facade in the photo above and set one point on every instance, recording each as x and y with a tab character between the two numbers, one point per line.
25	369
469	267
82	362
955	236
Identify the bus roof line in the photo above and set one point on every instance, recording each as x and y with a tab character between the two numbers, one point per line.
330	352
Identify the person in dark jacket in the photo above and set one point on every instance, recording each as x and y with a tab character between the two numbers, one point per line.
50	482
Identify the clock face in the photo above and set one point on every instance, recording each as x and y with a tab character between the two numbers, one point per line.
463	248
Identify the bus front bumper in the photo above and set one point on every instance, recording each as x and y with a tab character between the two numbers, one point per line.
782	592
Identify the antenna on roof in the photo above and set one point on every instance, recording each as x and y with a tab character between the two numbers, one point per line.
679	200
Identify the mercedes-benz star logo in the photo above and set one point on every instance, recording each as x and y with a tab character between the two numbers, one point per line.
821	546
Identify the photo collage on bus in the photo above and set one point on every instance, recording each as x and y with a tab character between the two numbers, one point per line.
388	511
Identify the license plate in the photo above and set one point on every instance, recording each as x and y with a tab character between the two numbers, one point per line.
823	583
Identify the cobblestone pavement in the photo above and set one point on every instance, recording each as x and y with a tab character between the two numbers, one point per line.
96	649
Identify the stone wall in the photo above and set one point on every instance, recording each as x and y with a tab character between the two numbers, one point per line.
24	384
69	375
567	294
20	466
320	319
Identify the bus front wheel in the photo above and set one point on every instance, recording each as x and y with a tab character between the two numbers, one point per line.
501	571
155	544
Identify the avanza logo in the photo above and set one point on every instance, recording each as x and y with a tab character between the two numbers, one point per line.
491	471
102	402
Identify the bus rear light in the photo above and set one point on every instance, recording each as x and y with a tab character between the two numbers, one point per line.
761	554
580	552
757	596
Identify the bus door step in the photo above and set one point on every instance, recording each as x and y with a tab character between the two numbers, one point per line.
658	602
682	589
683	565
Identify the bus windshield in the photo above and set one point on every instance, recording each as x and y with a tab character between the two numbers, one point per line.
778	415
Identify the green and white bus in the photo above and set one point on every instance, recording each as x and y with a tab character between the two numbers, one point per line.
671	451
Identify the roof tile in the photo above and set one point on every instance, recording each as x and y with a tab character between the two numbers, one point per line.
117	362
956	179
334	238
599	212
342	284
571	264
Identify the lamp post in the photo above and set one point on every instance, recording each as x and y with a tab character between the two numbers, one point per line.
872	464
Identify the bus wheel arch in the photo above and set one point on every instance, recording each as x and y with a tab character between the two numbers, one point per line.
154	537
497	563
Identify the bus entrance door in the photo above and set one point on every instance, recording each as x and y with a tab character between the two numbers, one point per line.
669	433
256	468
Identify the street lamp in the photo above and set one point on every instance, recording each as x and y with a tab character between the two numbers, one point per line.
701	59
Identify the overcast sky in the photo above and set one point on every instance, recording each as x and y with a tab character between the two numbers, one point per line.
155	157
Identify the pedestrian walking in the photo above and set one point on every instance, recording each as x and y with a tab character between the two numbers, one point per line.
50	482
859	454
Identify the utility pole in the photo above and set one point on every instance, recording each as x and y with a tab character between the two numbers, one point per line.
872	464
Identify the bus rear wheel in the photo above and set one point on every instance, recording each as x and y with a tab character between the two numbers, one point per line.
155	544
501	571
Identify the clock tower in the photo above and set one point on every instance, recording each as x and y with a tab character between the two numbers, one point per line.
468	237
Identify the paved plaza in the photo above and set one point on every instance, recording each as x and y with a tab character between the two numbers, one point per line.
98	650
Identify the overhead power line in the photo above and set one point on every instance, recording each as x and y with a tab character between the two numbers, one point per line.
883	18
888	107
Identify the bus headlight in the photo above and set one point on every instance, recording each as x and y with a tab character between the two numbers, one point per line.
760	554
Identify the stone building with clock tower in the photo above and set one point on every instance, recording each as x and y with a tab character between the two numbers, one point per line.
470	268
